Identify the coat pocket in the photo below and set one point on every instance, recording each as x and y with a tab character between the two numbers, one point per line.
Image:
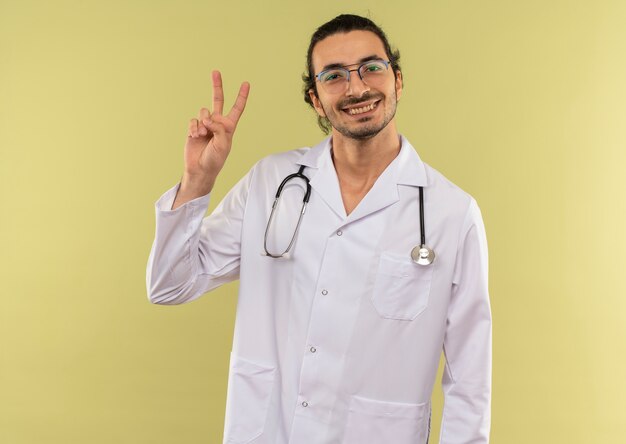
249	393
402	287
382	422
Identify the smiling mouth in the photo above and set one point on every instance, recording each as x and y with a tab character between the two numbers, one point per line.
361	110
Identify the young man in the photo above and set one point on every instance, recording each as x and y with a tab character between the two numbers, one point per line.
343	308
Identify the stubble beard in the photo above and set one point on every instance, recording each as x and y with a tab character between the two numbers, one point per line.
363	132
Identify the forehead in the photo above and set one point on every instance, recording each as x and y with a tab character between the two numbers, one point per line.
346	49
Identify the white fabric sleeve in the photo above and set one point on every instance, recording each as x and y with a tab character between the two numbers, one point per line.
192	254
466	378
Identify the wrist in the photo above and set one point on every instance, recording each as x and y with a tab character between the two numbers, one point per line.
196	186
191	188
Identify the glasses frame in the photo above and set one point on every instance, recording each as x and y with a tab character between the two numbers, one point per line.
318	76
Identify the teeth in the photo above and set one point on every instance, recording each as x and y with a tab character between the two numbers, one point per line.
364	109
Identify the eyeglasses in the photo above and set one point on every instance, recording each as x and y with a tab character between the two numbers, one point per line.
336	80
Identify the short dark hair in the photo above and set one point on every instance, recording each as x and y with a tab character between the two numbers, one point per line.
342	24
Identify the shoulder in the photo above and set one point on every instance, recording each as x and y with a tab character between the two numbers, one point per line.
282	160
444	187
310	156
268	172
454	202
460	204
438	189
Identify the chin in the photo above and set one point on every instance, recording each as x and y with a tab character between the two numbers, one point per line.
363	134
362	130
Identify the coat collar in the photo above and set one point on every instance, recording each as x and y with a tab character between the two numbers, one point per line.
406	169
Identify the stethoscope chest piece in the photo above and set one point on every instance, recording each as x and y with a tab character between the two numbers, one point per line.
422	255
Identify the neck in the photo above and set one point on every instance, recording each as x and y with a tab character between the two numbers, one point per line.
362	161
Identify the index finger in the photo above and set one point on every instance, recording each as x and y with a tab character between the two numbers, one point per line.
218	93
240	103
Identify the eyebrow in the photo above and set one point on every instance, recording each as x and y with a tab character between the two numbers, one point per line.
363	60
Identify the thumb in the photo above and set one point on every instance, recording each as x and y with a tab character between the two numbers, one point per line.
217	124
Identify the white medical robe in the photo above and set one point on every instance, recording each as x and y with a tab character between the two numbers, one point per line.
339	343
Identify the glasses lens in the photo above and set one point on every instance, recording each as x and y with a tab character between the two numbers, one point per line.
373	73
334	80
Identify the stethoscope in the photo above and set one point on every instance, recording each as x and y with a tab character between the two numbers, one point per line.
421	254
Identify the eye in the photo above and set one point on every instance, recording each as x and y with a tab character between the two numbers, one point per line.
333	76
373	67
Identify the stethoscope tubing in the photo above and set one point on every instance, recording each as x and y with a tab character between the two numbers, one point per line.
422	227
305	201
421	254
298	175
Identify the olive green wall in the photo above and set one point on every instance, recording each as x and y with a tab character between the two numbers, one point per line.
521	103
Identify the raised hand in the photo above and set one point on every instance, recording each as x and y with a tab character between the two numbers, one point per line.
209	141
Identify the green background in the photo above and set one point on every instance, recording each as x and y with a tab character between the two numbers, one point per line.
522	104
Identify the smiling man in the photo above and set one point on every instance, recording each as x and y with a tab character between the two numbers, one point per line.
358	265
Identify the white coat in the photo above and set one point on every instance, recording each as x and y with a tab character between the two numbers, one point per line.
340	342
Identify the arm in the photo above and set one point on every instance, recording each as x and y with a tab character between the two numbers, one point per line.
190	255
467	344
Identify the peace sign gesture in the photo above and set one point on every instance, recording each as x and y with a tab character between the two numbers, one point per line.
208	142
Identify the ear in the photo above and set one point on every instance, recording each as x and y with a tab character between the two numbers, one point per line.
398	85
316	103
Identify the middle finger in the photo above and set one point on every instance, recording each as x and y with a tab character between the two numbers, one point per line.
218	93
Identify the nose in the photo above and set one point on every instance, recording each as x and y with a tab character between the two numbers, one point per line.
356	86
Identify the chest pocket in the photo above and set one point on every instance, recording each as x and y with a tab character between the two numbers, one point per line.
402	287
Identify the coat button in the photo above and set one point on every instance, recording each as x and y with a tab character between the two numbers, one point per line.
305	404
339	232
324	292
313	349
